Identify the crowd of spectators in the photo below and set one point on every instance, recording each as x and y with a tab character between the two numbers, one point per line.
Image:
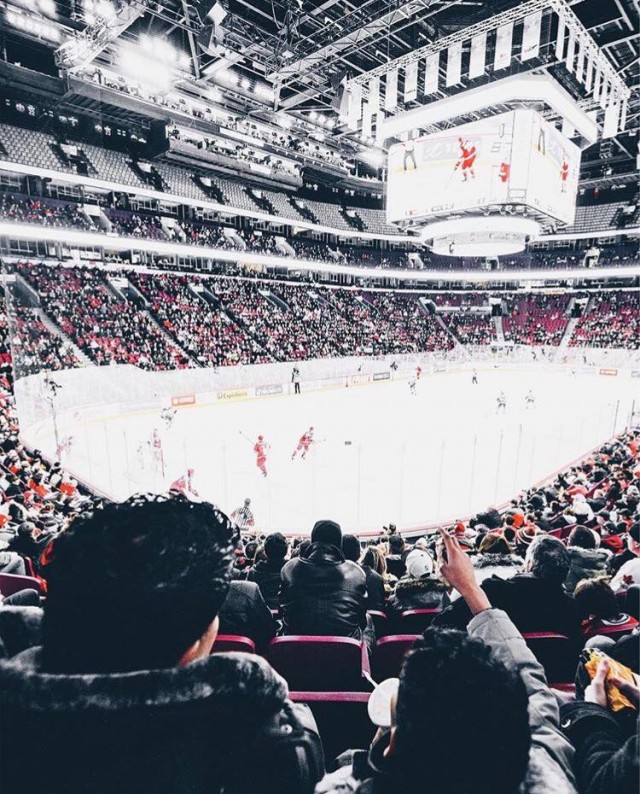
133	224
611	319
536	320
205	332
135	595
46	212
35	348
472	328
107	327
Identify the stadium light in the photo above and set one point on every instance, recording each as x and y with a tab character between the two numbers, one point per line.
153	62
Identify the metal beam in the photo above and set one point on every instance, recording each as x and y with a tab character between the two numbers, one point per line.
407	10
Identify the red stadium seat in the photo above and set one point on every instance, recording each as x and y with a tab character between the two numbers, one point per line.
342	719
380	621
389	654
415	621
233	642
556	653
338	664
11	583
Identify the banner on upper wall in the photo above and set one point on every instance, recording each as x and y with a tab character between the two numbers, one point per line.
477	59
391	90
374	94
454	64
411	82
504	41
531	36
431	73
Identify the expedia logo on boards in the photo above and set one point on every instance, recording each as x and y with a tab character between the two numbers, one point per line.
381	375
635	373
235	394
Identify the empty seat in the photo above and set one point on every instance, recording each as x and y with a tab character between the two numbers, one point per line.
233	642
380	621
556	653
389	654
11	583
415	621
320	663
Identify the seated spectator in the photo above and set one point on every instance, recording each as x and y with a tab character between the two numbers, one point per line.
266	573
322	592
586	559
611	537
607	748
396	556
119	692
534	600
626	566
418	588
599	608
486	680
245	612
494	559
10	562
374	560
375	583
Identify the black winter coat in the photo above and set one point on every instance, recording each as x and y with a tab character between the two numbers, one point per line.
606	759
266	574
375	589
323	594
223	723
245	612
533	604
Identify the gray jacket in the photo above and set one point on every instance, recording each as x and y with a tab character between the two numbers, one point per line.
551	754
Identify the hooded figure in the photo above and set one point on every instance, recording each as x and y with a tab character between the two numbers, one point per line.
586	559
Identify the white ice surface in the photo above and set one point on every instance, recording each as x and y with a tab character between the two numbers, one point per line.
411	460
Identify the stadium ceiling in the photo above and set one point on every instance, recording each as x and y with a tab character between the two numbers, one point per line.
301	49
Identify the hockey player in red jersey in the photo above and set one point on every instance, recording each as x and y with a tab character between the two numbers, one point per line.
418	372
466	160
564	174
260	448
184	484
305	442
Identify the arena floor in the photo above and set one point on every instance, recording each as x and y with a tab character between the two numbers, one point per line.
381	455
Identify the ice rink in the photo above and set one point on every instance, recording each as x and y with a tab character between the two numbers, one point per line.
381	454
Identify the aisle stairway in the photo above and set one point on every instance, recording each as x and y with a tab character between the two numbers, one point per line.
55	330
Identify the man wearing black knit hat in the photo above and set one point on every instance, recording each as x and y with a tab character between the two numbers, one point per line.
322	593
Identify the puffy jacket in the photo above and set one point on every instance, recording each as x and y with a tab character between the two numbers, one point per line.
424	593
323	594
606	757
550	756
585	564
487	566
178	730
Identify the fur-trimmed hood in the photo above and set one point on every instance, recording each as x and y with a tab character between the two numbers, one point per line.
426	584
177	730
481	561
585	564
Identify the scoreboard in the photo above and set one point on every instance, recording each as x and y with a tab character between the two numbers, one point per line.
511	158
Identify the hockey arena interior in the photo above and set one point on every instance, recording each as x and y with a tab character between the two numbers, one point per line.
319	396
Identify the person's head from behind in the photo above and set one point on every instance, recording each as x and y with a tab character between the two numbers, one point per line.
137	586
374	559
583	538
396	544
633	539
494	544
351	547
276	547
548	559
596	599
449	680
327	532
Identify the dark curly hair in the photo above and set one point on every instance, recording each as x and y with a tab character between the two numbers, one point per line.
132	586
462	723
